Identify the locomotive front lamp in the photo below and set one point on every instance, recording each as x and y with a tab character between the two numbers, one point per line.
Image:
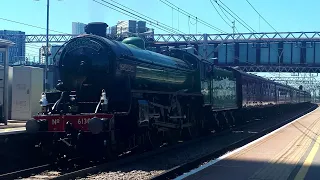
104	101
73	108
43	103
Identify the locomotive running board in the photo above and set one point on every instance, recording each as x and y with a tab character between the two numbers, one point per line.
163	92
172	125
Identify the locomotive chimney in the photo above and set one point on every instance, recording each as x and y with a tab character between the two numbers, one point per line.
97	28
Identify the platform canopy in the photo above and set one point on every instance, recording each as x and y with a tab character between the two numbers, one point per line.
4	45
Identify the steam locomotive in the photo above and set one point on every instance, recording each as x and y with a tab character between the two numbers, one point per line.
118	96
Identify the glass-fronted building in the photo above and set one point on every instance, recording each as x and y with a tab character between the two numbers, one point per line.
78	28
16	52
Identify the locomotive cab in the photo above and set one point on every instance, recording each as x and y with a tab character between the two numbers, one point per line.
189	58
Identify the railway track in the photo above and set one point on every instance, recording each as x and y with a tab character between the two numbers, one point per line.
17	152
25	172
167	171
51	171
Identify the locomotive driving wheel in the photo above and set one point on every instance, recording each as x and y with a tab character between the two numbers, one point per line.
155	138
192	118
174	135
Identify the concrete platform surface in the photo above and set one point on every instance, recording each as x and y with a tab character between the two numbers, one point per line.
290	152
13	124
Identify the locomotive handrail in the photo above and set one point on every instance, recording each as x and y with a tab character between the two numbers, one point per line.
57	102
206	61
180	92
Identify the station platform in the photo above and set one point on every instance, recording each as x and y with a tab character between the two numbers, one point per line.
13	126
290	152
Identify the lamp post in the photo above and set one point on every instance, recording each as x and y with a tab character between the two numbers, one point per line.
46	49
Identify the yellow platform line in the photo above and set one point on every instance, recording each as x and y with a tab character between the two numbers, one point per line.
307	163
12	129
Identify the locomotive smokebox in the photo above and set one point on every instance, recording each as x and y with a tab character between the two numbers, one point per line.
97	28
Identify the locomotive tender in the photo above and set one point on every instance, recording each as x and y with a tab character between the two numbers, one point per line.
121	96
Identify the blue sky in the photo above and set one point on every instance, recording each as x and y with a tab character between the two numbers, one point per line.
284	15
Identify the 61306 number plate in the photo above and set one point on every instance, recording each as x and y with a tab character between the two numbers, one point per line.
56	123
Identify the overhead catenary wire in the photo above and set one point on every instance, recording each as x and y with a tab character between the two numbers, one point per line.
156	24
224	13
49	29
253	31
123	12
244	24
194	24
232	21
171	5
30	25
29	47
260	16
219	14
236	17
216	49
241	21
38	27
132	13
147	17
268	24
128	14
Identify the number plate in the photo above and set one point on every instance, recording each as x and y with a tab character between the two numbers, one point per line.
56	123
